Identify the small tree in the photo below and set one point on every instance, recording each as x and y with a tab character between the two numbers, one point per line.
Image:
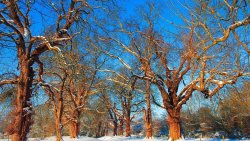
81	85
56	92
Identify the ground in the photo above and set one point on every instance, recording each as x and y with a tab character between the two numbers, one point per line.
118	138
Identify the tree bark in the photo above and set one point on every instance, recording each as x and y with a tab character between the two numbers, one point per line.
98	133
58	110
104	129
20	126
115	128
148	124
174	125
147	113
120	132
74	124
114	119
128	113
128	128
58	130
74	129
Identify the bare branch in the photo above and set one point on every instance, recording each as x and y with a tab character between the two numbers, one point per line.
5	82
243	22
126	48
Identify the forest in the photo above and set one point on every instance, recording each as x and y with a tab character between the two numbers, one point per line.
143	69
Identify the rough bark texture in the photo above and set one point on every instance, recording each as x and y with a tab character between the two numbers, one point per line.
74	129
58	111
128	123
174	126
17	25
23	110
147	114
58	130
59	121
74	124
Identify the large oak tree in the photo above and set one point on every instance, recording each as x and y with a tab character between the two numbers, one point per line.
16	28
204	56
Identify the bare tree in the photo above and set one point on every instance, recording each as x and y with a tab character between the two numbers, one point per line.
56	93
129	105
16	27
197	66
82	84
125	105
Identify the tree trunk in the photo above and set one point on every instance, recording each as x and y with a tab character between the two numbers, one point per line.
74	124
128	113
104	129
174	126
107	131
98	133
20	126
58	130
58	116
58	111
148	124
147	113
120	132
128	129
115	128
74	129
114	119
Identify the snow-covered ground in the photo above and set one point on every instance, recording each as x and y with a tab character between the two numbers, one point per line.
118	138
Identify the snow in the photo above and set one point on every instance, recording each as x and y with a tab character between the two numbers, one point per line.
25	33
181	139
121	138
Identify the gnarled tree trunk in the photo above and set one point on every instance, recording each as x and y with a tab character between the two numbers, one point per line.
23	111
174	125
75	124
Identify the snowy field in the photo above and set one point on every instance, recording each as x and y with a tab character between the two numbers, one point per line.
118	138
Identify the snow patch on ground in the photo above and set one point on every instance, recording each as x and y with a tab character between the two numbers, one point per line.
132	138
119	138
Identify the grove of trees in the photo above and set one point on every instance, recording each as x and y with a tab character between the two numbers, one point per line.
99	67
